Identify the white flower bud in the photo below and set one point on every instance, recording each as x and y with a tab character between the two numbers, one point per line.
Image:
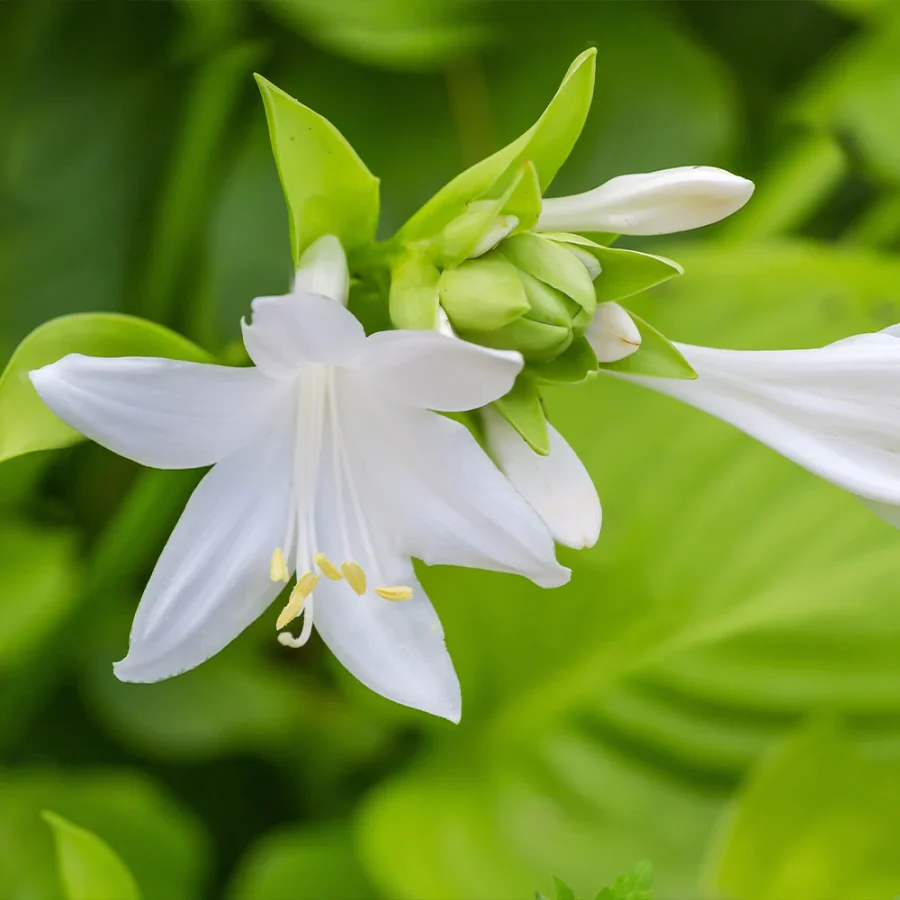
613	334
654	203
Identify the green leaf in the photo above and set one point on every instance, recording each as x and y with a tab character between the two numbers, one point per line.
657	356
483	294
522	408
546	144
414	296
27	424
158	842
89	867
635	884
327	187
817	818
563	891
302	864
575	365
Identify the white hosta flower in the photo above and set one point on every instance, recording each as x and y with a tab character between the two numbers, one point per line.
612	333
834	410
557	486
660	202
328	461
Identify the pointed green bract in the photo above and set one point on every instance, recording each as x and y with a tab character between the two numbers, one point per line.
624	273
525	201
563	891
657	356
89	868
547	144
636	884
414	297
536	341
575	365
523	409
483	294
327	187
28	424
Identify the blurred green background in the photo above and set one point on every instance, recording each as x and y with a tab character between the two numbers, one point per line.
717	690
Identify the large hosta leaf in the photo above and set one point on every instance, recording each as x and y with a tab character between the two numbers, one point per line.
730	593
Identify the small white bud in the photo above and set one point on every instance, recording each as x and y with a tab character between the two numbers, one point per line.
589	261
612	333
502	227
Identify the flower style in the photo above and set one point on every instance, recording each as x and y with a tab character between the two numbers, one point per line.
834	410
328	461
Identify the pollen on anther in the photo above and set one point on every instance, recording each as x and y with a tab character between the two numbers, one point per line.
395	593
278	567
355	576
302	589
327	567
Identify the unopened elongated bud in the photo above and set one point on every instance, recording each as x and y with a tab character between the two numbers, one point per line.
613	334
660	202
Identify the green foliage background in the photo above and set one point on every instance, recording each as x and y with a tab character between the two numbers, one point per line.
717	690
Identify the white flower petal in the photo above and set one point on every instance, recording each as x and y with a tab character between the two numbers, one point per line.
395	648
164	413
557	486
323	270
442	497
300	328
435	371
834	410
612	333
212	579
660	202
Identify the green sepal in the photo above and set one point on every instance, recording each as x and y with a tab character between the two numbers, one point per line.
483	294
636	884
624	273
523	409
547	144
548	304
563	891
525	201
536	341
657	356
26	424
89	868
576	364
327	187
459	239
414	298
554	265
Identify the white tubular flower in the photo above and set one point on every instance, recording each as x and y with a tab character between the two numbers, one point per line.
557	486
834	410
612	333
654	203
327	461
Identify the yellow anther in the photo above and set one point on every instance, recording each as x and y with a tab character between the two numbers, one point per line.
355	576
395	593
302	589
327	567
278	567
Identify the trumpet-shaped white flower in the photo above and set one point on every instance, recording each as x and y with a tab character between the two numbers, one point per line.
327	460
557	485
834	410
660	202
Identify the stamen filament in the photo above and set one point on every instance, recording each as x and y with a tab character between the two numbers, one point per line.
355	576
278	567
395	593
327	567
